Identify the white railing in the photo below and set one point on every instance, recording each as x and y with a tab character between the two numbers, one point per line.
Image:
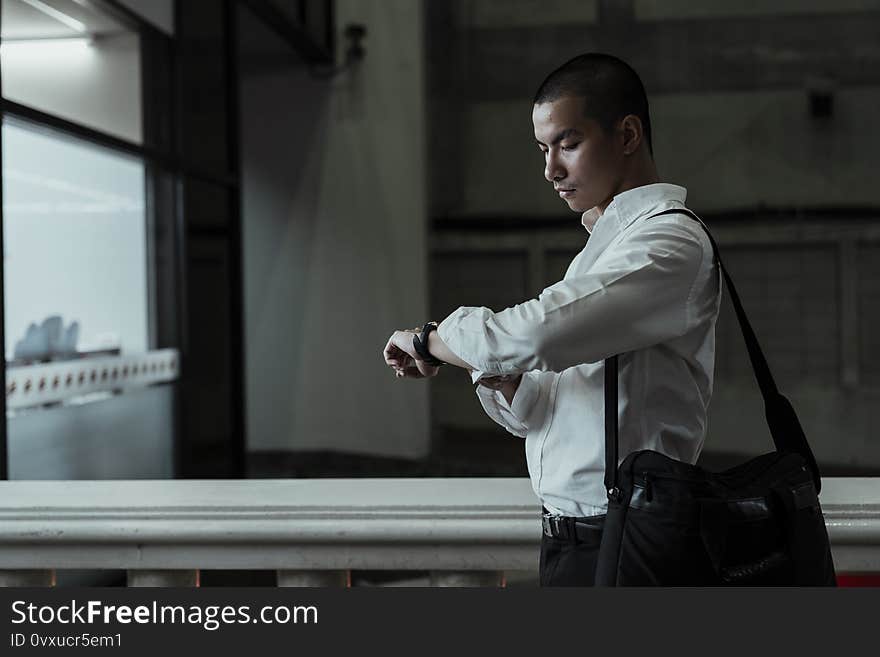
70	380
467	531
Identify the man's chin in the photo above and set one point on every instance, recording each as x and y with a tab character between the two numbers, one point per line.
574	206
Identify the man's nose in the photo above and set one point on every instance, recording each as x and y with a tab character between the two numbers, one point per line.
552	168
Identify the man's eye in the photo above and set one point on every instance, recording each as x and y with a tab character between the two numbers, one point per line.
570	147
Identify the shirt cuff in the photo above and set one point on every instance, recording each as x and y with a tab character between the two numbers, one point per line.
476	375
519	411
489	400
523	399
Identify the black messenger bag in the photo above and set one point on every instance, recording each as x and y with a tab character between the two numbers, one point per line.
670	523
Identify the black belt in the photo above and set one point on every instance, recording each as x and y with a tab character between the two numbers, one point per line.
568	528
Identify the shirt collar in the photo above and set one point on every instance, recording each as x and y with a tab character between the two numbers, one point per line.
628	206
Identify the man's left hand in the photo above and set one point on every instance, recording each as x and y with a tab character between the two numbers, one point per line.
400	355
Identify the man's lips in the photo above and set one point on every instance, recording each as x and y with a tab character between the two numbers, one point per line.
565	192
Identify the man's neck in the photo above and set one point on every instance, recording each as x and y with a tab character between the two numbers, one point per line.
643	173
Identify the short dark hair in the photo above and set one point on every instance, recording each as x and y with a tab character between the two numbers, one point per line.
610	87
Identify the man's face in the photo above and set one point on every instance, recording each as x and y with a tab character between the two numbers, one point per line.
582	163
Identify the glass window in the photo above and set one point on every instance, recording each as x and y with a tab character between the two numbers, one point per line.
75	244
68	59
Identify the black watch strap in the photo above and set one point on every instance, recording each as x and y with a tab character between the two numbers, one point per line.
420	343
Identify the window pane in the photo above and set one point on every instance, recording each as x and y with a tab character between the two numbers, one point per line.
70	60
74	240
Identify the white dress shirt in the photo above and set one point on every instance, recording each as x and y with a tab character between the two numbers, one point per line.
648	290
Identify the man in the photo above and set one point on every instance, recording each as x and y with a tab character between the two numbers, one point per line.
644	287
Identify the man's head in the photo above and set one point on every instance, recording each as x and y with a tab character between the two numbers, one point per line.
591	120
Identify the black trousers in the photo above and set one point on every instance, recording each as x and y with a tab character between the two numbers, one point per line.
571	562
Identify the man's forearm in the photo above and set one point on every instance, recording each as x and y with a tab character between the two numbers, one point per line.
438	349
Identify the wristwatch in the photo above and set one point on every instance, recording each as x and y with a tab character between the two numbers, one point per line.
420	344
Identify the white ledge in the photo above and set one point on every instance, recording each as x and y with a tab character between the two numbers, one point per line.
455	524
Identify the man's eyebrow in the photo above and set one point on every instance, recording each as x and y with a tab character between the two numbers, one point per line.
568	132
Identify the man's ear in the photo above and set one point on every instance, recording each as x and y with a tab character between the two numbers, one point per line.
632	132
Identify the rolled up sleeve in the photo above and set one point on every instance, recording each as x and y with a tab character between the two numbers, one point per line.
635	295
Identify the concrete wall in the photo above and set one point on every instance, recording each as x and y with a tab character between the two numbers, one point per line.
731	150
682	9
729	91
334	220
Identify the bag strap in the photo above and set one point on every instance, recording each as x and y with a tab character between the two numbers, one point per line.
782	420
611	428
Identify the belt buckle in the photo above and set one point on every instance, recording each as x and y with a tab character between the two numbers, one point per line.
550	524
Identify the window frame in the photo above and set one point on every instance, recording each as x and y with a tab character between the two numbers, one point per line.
158	160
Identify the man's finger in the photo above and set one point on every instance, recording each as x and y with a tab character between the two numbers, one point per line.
410	367
392	353
412	372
